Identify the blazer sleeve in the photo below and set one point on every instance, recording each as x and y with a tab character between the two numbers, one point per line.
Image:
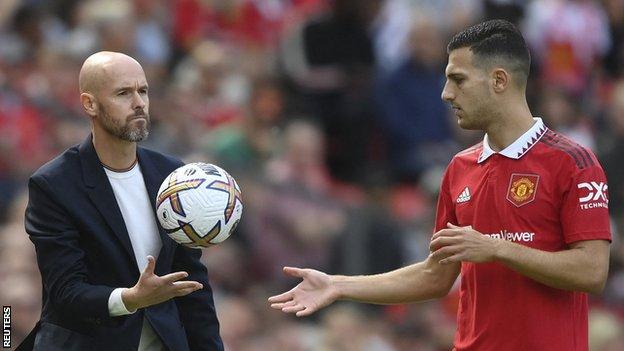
197	310
60	258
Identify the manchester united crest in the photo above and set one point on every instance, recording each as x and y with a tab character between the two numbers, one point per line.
522	188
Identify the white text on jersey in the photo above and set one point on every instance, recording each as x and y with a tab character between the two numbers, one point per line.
512	236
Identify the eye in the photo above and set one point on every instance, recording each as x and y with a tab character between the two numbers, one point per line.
143	91
122	93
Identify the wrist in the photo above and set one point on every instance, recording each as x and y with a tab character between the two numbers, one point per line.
500	249
128	297
337	285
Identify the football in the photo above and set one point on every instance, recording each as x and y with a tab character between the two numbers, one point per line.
199	205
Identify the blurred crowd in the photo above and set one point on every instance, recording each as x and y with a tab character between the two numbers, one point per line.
328	113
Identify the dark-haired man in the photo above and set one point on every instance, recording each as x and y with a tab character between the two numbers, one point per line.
522	215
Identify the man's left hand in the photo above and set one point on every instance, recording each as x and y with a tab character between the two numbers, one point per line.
456	244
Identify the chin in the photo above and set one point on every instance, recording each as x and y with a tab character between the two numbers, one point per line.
465	124
462	123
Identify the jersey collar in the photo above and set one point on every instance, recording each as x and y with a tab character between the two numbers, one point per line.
519	147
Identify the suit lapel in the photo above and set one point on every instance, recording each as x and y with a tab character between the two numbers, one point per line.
153	178
101	194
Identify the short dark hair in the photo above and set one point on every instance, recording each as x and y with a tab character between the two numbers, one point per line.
495	40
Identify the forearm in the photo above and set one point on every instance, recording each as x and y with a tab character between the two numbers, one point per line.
67	285
418	282
82	300
571	269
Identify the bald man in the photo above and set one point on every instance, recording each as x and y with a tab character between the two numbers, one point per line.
112	278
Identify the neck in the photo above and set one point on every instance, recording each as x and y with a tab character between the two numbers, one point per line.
509	126
113	152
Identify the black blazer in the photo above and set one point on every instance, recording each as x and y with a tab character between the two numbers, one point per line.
84	252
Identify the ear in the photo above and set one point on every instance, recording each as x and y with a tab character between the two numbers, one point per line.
89	104
500	80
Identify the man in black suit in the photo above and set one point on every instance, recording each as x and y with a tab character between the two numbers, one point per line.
105	263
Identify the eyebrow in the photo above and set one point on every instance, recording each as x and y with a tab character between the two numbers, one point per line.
130	87
455	75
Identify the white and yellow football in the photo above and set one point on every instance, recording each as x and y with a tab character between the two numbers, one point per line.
199	205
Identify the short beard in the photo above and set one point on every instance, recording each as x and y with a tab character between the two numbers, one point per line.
481	116
125	132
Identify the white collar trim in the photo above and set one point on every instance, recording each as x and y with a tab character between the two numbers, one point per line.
519	147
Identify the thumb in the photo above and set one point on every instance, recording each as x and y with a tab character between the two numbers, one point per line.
294	272
453	226
151	263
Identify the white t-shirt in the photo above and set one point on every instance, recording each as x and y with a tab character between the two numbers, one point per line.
136	209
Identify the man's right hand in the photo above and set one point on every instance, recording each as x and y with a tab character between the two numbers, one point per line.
313	293
152	289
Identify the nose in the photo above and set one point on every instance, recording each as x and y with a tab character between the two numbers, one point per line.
446	93
138	103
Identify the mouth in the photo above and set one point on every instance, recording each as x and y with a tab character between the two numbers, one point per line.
134	118
457	111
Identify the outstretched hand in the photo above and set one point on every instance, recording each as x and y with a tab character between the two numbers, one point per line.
313	293
152	289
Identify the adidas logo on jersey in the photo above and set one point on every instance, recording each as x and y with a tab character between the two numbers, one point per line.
464	196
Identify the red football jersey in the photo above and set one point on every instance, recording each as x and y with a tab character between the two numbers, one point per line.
542	191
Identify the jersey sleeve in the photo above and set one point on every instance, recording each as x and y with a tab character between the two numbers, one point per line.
585	209
446	207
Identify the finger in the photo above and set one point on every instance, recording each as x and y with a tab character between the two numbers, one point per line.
187	285
284	304
184	292
294	272
451	259
282	297
172	277
444	232
305	312
440	242
290	303
444	252
151	263
293	309
278	306
453	226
